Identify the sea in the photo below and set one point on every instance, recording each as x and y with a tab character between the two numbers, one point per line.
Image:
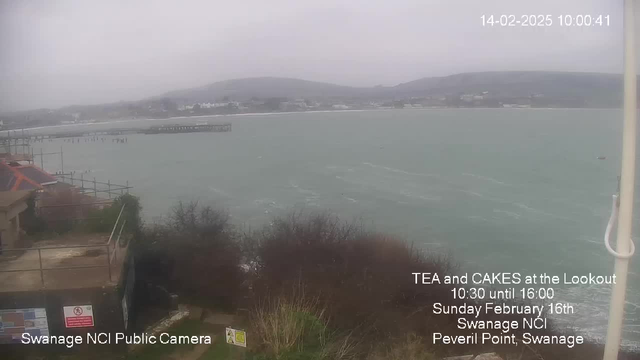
500	190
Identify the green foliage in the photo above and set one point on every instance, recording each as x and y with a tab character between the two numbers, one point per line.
409	347
103	220
30	222
295	328
194	254
358	279
131	212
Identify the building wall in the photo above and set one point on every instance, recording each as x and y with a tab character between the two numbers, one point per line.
107	310
10	225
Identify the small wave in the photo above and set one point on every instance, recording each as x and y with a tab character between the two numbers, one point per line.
525	207
536	211
336	167
268	203
399	171
311	197
417	196
351	199
634	305
429	198
472	193
486	178
597	242
508	213
476	217
302	190
219	192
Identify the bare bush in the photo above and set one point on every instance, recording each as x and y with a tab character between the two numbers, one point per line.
196	255
409	347
296	327
364	278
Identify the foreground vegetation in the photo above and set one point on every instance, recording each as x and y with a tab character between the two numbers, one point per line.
310	286
65	211
315	287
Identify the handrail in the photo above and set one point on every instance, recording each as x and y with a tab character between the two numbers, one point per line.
114	255
56	247
607	233
41	268
71	177
109	256
77	267
104	202
116	224
71	246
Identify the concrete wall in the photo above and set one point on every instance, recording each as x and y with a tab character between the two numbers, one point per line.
10	225
107	312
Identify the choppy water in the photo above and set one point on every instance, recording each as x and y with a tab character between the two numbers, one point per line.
503	190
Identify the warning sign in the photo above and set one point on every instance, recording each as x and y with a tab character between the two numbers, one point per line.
78	316
236	337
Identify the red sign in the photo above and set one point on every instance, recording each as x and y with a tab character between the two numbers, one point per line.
78	316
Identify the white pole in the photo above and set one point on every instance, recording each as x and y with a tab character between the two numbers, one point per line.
616	312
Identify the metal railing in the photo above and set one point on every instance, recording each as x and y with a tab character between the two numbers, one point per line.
108	188
113	247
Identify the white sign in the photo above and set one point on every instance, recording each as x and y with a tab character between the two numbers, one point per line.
236	337
78	316
15	322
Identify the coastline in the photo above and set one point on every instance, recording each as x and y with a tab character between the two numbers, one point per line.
119	121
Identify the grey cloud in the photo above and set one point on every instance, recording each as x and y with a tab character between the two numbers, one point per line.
56	53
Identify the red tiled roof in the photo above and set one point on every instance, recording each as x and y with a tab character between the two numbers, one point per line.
23	177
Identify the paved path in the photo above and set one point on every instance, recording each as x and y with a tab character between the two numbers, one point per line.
196	352
25	272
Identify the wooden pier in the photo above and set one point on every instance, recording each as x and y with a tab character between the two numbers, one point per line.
15	139
177	128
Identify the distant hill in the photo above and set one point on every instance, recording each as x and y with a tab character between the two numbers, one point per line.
526	88
594	88
518	83
264	87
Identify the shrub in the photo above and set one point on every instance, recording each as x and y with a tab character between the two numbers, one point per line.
103	220
409	347
295	327
30	221
196	255
364	278
61	210
346	281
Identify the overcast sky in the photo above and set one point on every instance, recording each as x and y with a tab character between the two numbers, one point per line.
58	52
